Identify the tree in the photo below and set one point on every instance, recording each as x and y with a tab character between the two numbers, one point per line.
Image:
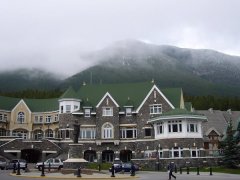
231	149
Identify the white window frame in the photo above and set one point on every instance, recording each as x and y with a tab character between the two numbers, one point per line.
160	128
107	111
56	117
68	108
20	118
3	117
173	124
178	150
87	112
128	111
192	127
124	132
155	108
107	131
195	150
49	133
23	133
48	119
87	133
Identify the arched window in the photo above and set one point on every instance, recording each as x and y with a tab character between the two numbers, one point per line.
20	133
20	117
107	131
49	133
38	134
3	132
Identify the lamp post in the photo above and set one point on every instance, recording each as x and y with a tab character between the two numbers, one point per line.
157	157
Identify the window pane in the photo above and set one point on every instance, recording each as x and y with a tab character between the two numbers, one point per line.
147	132
175	127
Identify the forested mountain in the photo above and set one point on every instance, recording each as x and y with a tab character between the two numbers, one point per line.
198	72
23	79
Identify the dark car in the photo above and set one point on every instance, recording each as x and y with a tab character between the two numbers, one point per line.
117	166
3	163
127	167
124	167
22	163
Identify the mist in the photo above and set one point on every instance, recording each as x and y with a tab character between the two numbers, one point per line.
56	35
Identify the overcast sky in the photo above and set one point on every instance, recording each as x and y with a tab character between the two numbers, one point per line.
51	34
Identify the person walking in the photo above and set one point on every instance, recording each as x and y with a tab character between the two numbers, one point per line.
171	168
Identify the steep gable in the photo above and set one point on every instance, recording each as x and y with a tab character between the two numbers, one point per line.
106	96
8	103
121	93
155	88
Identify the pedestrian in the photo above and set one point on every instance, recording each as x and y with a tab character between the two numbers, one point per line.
171	168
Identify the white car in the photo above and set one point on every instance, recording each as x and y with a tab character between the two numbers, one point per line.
51	163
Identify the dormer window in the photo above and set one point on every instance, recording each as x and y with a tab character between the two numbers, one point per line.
87	112
107	111
128	111
156	109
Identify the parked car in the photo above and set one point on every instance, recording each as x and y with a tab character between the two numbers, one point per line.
124	167
117	166
52	163
22	162
3	163
127	167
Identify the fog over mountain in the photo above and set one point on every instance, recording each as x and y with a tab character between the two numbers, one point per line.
198	72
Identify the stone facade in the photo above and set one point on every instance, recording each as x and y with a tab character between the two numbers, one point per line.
140	143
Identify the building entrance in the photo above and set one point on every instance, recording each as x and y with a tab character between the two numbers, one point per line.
125	155
107	156
90	155
31	155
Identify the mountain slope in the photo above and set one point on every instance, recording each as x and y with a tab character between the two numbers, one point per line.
23	79
198	72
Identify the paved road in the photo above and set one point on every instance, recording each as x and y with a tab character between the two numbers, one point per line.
5	175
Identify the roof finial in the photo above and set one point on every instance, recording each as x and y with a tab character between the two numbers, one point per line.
152	81
84	83
128	98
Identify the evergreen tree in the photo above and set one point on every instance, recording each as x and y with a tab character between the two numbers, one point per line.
230	148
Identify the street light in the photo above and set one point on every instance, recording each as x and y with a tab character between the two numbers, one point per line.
157	157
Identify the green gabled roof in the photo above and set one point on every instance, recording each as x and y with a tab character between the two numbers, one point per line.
127	94
69	93
178	111
42	105
35	105
86	103
8	103
119	92
173	95
188	106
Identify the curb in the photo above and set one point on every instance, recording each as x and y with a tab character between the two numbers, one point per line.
74	177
